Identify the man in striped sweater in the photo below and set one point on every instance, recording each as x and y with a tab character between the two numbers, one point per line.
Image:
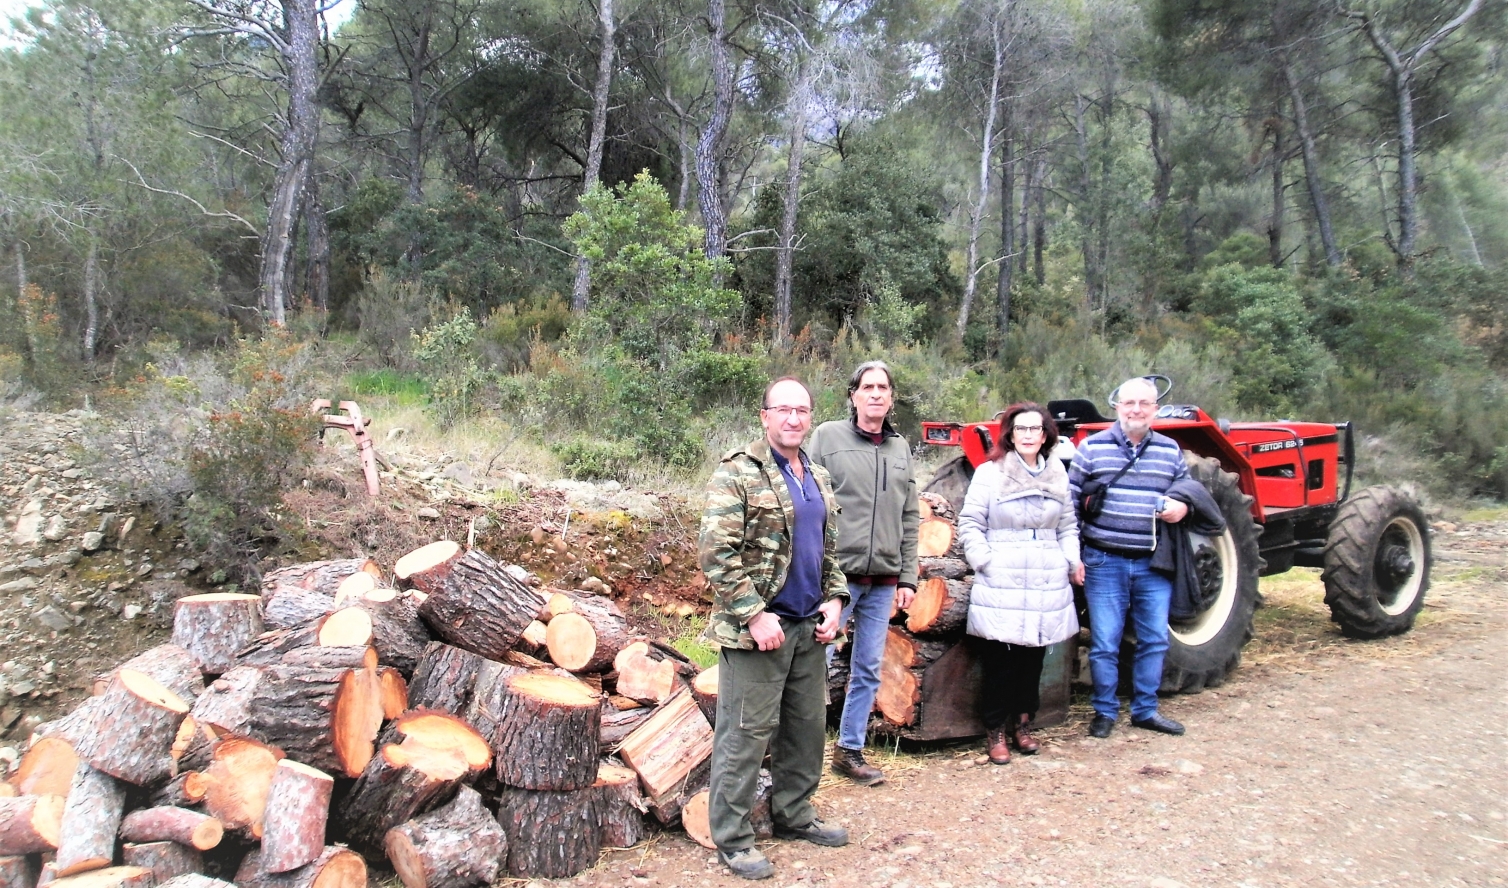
1118	543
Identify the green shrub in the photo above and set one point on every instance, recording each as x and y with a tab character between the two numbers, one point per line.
447	353
588	459
390	311
508	337
720	378
406	388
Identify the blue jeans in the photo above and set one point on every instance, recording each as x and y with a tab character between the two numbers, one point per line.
870	607
1115	585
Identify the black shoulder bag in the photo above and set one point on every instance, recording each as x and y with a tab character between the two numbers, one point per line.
1092	491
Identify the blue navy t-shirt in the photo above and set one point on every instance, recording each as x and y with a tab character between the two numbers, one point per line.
801	595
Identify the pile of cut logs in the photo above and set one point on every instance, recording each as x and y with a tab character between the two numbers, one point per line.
459	721
930	676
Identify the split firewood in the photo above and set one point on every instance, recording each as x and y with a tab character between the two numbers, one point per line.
650	679
697	823
359	656
704	689
319	576
18	871
548	733
444	678
214	626
354	587
945	567
194	880
456	846
237	781
429	755
47	768
288	607
397	632
588	637
166	860
110	877
170	664
327	718
198	831
622	806
131	728
394	693
550	834
671	746
298	804
533	639
934	537
427	567
336	867
619	723
30	824
183	791
941	607
479	606
91	819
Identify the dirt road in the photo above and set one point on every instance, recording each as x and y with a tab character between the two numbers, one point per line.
1322	762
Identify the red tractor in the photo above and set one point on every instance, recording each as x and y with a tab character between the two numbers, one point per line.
1285	489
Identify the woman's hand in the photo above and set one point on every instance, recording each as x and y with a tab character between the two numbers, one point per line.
1076	573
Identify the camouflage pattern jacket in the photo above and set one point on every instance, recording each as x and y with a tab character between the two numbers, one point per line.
745	542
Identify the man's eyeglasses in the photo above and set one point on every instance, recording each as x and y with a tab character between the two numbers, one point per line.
783	412
1145	405
1021	429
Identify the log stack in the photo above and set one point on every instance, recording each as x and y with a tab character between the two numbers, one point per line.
338	717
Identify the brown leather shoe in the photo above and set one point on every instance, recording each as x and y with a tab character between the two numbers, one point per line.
1023	738
1000	747
850	763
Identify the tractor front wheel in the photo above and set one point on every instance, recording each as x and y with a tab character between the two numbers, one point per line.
1377	563
1202	651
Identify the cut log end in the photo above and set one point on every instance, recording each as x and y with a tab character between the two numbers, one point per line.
934	537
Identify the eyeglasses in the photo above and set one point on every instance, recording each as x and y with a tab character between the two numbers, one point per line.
1145	405
1025	429
783	412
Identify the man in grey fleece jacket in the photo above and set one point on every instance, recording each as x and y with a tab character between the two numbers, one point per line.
870	465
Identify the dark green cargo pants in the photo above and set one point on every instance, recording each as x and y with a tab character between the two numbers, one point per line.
776	700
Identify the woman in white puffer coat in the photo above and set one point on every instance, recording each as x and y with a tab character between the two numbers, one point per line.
1019	533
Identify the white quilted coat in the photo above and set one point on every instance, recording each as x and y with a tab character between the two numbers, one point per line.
1020	535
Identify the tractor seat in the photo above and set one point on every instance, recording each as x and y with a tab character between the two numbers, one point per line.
1075	411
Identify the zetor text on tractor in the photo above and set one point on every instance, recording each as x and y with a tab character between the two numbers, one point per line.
1285	490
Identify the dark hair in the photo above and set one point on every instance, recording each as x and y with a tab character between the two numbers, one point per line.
764	400
858	377
1007	430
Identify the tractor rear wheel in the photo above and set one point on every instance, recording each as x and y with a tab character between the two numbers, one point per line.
1202	651
1377	563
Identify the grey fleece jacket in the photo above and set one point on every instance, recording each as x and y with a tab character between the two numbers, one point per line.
876	490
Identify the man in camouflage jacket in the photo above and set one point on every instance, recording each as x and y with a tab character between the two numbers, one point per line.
768	547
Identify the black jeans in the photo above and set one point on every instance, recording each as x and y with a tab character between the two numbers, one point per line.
1012	676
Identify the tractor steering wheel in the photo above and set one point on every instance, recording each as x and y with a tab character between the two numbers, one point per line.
1163	384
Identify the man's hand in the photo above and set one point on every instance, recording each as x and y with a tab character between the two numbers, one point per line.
827	630
903	596
1174	511
765	627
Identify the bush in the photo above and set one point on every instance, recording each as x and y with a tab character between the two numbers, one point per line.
508	337
447	353
390	311
590	460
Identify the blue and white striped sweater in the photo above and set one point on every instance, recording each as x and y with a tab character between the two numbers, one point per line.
1128	521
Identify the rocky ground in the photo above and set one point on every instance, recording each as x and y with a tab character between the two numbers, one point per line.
1322	761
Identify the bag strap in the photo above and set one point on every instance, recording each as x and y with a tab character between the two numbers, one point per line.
1127	467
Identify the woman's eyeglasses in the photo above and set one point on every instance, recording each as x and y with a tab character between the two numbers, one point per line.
1021	429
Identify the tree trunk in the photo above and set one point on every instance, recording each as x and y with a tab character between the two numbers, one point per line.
1312	180
589	637
296	151
191	828
941	607
1086	198
110	877
621	807
91	298
444	678
170	664
1275	221
976	212
709	149
786	251
336	867
600	92
166	860
131	728
319	576
479	606
47	768
1007	219
214	626
548	733
1039	223
18	871
298	804
317	230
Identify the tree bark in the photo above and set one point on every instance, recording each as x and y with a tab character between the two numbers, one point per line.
621	807
550	834
336	867
1310	153
298	804
214	626
479	606
548	733
166	860
786	251
91	818
1279	187
131	728
976	212
91	298
170	664
601	90
191	828
709	148
1007	219
317	234
456	846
